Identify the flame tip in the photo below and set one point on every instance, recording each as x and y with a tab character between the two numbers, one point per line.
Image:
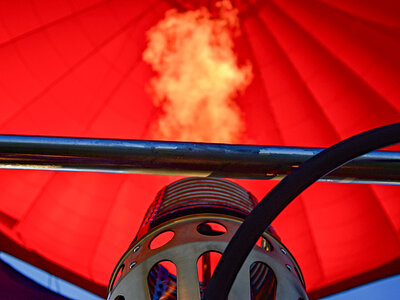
198	76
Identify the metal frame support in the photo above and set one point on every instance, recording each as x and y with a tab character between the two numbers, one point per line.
186	159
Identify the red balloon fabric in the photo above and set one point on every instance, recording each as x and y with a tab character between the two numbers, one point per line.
321	71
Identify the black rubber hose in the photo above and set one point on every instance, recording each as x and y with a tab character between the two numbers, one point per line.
282	194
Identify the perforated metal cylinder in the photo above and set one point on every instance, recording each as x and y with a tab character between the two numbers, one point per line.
187	210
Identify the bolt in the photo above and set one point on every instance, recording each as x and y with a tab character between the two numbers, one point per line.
289	267
132	264
283	251
136	248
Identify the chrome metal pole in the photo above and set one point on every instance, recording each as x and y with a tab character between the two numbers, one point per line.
187	159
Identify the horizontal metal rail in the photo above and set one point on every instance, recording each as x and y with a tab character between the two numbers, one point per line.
186	159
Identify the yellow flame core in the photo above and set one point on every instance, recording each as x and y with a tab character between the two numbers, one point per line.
198	77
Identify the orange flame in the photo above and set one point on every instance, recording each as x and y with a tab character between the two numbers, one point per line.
198	77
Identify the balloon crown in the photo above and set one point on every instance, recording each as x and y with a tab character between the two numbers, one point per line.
217	7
